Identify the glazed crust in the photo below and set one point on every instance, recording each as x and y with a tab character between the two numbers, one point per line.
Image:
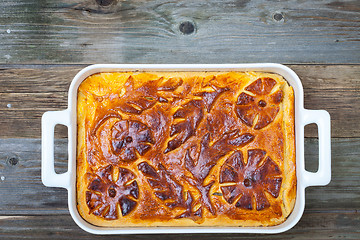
185	149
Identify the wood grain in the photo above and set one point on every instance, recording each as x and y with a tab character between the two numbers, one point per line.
313	225
26	92
30	209
139	31
44	43
26	195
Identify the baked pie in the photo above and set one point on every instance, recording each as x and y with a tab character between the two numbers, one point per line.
185	149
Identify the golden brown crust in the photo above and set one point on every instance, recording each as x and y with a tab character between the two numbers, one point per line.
185	149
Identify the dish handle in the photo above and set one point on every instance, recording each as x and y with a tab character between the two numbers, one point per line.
322	119
48	122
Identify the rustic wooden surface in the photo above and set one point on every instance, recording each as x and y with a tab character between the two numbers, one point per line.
139	31
334	88
43	44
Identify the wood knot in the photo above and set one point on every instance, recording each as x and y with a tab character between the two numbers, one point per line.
12	160
105	3
187	27
278	17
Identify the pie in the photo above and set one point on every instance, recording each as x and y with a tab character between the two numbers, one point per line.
185	149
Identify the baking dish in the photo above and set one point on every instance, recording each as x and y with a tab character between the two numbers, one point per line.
302	117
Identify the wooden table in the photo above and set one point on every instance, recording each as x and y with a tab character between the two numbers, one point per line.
43	44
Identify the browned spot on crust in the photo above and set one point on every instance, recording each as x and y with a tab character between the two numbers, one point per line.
250	180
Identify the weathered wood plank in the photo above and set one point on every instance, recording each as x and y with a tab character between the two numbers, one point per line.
335	89
22	192
313	225
26	92
81	31
20	174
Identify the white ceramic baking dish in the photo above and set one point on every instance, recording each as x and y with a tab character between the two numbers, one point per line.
302	117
